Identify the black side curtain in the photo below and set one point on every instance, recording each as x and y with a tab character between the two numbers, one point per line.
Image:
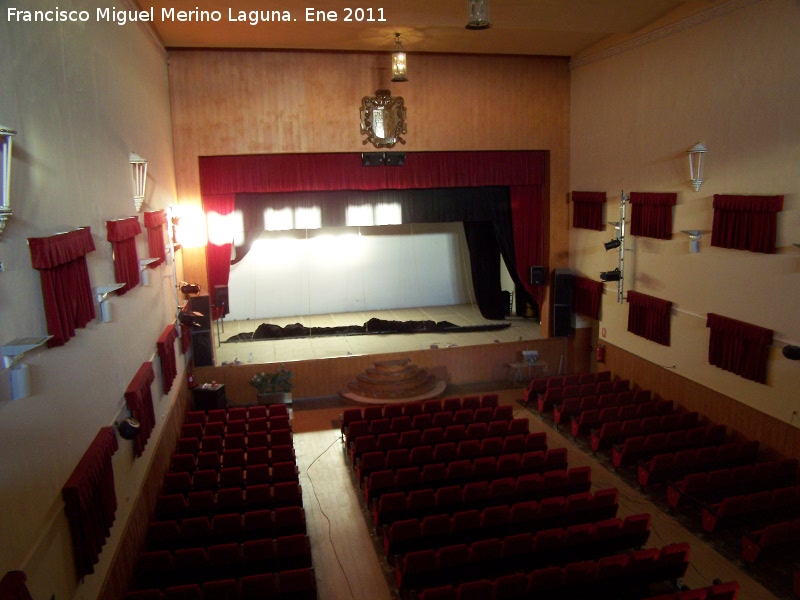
484	211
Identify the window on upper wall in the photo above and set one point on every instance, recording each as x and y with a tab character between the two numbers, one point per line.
746	222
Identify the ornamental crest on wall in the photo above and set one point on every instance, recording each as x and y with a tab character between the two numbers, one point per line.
383	119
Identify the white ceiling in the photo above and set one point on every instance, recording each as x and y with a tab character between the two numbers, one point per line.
527	27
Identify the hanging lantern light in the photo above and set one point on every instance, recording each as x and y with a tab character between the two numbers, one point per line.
399	65
478	14
696	154
139	175
6	136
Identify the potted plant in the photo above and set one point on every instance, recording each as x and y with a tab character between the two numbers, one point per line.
274	388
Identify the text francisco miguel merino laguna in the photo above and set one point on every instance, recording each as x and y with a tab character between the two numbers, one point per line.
251	17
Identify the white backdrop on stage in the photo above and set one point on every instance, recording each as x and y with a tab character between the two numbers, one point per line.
351	269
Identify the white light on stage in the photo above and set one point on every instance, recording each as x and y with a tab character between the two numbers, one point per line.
308	217
359	215
388	214
278	219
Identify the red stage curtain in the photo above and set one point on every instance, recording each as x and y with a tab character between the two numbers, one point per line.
166	353
587	296
739	347
649	317
221	177
139	398
66	291
587	210
122	235
746	222
90	501
651	214
12	586
154	223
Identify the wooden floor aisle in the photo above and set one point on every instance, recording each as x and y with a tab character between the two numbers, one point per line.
346	563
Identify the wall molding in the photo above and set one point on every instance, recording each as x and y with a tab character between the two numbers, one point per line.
662	32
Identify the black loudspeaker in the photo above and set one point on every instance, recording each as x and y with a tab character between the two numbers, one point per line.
538	275
562	303
202	348
221	298
202	305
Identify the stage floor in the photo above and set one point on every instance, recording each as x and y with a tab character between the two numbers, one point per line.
266	351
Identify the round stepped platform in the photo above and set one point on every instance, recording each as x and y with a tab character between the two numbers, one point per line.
393	381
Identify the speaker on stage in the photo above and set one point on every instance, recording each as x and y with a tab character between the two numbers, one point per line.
221	298
202	348
202	305
562	303
538	275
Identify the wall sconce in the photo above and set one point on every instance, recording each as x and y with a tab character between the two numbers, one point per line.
20	377
399	65
102	292
696	154
139	175
478	14
695	235
144	264
6	136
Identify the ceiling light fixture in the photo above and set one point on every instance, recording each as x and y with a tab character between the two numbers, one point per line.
399	65
478	14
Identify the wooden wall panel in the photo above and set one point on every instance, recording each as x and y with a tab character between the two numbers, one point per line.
261	102
458	365
742	420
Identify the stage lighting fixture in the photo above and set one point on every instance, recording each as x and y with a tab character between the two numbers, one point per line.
615	243
614	275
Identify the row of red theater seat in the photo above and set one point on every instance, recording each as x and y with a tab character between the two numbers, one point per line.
675	465
574	405
609	578
442	419
781	536
207	503
616	432
503	490
591	413
412	409
216	443
295	584
539	385
468	525
619	389
446	452
236	413
552	511
642	447
476	433
228	477
232	457
776	502
712	486
491	558
222	429
719	591
220	529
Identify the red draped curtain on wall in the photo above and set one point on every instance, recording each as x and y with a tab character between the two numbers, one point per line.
66	291
12	586
746	222
222	177
165	346
649	317
90	501
154	223
139	398
651	214
587	210
739	347
122	235
587	295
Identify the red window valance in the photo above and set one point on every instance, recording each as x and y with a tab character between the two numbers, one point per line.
166	352
90	501
139	398
122	235
12	586
154	223
588	294
587	211
649	317
66	290
651	214
739	347
746	222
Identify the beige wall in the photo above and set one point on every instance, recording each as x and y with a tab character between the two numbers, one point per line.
82	97
729	81
283	102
